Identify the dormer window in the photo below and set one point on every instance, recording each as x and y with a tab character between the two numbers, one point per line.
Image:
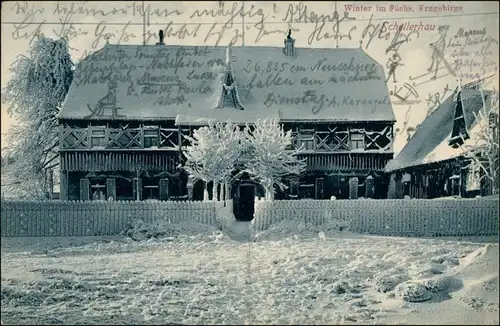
289	49
229	95
459	130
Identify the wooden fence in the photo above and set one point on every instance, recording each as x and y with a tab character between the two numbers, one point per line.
93	218
391	217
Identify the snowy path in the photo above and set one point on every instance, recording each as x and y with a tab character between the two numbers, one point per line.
215	279
239	231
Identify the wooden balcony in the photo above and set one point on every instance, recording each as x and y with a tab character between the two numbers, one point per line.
346	162
119	161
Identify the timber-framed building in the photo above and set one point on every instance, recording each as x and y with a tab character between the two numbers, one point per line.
123	121
433	163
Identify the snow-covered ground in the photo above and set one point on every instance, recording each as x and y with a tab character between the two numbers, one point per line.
232	277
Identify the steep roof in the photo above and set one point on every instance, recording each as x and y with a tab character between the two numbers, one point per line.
429	143
185	83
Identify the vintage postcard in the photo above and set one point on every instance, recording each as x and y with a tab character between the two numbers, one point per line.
250	162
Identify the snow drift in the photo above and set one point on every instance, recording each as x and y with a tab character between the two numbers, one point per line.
139	230
210	279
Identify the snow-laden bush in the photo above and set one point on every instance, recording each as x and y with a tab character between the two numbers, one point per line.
212	154
412	292
338	287
446	259
438	284
37	88
384	282
269	157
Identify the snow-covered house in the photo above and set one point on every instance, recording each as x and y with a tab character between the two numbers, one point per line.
434	163
122	123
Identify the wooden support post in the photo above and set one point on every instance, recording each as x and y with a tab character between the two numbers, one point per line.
353	188
164	189
51	184
205	191
63	185
294	187
46	182
84	189
319	188
111	188
227	191
137	188
391	191
190	189
369	187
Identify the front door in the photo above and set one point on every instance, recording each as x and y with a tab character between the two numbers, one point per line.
244	202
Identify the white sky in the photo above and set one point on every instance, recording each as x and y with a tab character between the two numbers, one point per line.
416	53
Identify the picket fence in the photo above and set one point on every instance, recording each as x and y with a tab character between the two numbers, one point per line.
390	217
94	218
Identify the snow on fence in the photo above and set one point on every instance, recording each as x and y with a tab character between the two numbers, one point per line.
93	218
391	217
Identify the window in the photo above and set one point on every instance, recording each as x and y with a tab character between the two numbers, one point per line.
150	138
306	190
98	190
357	141
294	144
98	138
307	138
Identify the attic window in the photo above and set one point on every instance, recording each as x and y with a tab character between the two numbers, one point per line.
289	49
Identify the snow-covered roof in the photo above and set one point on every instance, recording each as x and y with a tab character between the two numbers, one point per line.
444	151
184	82
429	143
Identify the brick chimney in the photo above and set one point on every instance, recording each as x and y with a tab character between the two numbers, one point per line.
161	36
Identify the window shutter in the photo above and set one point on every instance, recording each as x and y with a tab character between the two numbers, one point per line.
84	189
111	188
164	189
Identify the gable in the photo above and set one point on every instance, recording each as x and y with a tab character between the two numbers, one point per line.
430	142
169	82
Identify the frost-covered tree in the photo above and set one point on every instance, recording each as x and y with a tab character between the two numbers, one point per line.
269	157
213	152
39	84
482	149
